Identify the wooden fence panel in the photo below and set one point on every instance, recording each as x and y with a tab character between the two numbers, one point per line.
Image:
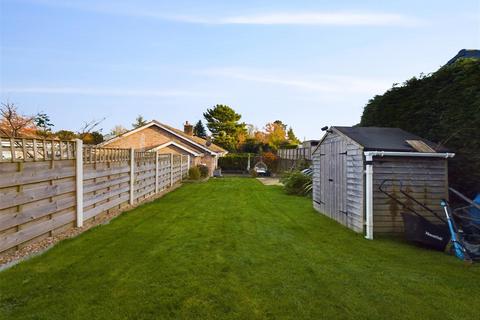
177	169
105	190
185	166
164	171
37	197
144	175
38	185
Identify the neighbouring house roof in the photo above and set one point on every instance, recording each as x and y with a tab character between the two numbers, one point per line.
196	141
173	143
387	139
465	53
213	147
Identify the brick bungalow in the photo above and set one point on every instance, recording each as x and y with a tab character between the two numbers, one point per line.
156	136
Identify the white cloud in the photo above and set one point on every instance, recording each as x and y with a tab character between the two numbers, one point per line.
100	91
318	19
313	82
314	18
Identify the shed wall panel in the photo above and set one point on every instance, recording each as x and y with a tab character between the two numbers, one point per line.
338	180
426	179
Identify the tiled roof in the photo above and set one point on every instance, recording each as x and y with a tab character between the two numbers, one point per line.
193	139
213	147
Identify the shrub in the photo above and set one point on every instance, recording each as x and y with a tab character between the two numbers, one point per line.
253	173
203	170
234	162
296	183
271	160
194	173
441	107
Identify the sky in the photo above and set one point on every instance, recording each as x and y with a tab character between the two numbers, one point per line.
307	63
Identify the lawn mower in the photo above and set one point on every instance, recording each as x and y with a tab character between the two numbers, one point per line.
464	226
431	233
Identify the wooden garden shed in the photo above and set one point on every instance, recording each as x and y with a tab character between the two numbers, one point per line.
350	163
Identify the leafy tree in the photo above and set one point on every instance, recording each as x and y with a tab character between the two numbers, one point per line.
223	123
97	137
43	123
88	133
271	160
14	124
252	145
94	137
65	135
443	107
139	122
118	130
199	130
292	138
276	134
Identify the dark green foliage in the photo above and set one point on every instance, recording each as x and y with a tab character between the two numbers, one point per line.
223	123
199	130
139	122
296	183
97	137
252	145
91	138
289	146
236	249
43	123
203	171
235	161
443	107
292	138
194	173
65	135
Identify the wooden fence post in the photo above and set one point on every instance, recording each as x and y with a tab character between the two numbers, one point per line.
132	176
79	180
181	167
171	169
156	172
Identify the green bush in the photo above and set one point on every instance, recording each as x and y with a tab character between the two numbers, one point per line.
194	173
442	107
203	170
296	183
234	161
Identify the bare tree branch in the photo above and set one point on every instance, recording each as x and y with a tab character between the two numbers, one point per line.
89	126
12	123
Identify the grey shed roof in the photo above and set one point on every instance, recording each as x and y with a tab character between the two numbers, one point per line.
385	139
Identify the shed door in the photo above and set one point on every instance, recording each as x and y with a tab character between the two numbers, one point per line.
334	179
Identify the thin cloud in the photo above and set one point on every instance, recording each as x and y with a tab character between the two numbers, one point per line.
318	18
313	83
312	19
100	91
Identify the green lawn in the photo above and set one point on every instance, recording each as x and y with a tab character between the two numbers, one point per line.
235	249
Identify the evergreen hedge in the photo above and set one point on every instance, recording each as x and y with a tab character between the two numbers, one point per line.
442	107
235	162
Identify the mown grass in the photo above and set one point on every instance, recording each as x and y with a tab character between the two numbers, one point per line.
235	249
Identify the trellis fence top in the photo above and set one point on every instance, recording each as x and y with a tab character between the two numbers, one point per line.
32	149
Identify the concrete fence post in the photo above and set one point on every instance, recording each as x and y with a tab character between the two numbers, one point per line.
132	176
156	172
79	180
